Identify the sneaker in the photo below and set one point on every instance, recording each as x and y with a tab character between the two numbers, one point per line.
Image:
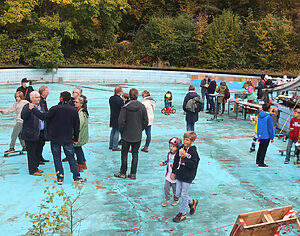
286	162
179	217
119	175
252	150
60	182
175	203
165	203
263	166
80	180
132	176
145	149
193	207
10	150
65	159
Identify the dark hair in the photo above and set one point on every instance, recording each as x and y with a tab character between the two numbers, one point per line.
125	95
192	87
118	90
266	107
66	96
133	94
42	89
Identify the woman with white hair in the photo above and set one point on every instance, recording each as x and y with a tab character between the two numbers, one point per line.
83	132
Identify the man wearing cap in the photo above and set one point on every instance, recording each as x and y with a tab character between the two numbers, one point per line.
26	89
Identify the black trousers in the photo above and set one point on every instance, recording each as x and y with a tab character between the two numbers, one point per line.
34	153
261	153
124	156
41	146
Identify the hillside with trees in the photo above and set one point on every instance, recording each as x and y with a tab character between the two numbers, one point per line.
210	34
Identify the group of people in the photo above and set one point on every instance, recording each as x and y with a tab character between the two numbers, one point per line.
65	125
130	119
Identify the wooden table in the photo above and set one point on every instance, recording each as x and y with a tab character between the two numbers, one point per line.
246	106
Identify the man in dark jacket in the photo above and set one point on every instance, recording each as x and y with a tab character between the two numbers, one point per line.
133	120
211	90
33	134
63	131
115	103
190	117
25	89
44	92
260	88
204	84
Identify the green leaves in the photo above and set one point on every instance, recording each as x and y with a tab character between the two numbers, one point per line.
52	218
170	39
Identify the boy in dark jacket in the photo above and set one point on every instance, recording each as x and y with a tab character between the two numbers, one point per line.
184	170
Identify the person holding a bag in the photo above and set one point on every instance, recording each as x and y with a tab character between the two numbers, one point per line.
190	117
222	99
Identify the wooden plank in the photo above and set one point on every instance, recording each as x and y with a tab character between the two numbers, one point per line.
268	217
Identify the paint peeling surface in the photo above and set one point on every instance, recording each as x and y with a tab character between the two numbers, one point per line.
228	182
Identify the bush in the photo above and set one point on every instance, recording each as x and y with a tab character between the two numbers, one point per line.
167	39
223	42
269	43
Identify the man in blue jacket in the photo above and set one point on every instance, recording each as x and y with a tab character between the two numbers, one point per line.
33	134
265	133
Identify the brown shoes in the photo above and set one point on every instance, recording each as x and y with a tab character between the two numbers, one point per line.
116	149
40	171
84	166
37	173
80	168
119	175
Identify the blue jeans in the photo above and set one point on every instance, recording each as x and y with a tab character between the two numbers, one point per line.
69	152
205	96
182	190
80	155
148	134
211	103
288	149
190	126
114	138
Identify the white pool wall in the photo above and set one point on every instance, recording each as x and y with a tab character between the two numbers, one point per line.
14	76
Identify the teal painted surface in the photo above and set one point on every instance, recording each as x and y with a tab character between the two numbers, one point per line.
228	182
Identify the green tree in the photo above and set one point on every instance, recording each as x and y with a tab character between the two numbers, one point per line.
270	43
169	39
223	46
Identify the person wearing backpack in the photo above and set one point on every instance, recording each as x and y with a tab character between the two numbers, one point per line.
222	90
190	117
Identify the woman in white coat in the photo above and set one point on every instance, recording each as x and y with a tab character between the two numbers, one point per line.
149	103
17	108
